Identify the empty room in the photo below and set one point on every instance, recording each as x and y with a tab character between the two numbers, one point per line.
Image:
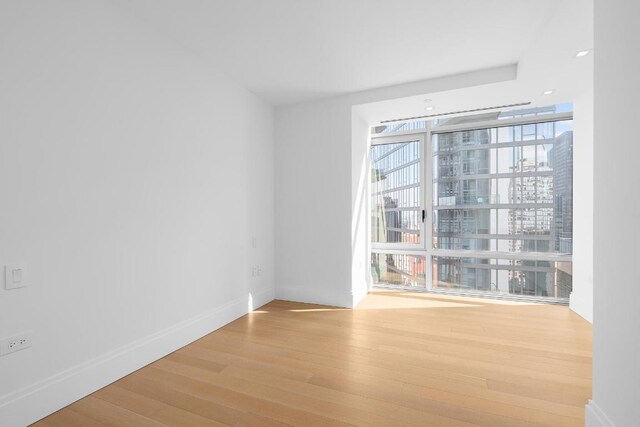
319	213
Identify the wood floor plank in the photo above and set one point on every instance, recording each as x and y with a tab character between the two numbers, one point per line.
255	420
385	409
171	394
68	417
310	340
208	392
400	358
346	412
112	415
155	409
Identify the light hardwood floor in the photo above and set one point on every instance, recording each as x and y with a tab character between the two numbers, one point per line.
398	359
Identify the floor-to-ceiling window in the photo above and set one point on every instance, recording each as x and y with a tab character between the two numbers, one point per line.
475	203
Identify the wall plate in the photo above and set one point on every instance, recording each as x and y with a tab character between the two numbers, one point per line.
15	276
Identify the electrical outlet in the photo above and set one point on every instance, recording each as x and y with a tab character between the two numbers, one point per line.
256	270
15	343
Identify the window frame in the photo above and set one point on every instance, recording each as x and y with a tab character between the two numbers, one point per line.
400	247
426	246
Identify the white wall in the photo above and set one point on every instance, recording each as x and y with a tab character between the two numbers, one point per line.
313	196
133	180
616	316
581	300
321	175
360	206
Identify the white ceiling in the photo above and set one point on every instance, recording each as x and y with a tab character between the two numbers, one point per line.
548	63
290	51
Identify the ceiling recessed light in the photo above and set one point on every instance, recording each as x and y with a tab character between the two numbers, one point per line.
582	53
427	100
548	92
429	108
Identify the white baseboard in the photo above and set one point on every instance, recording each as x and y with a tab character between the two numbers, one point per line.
581	307
316	296
38	400
358	295
595	416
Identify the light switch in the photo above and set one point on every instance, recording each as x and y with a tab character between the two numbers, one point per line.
14	277
17	275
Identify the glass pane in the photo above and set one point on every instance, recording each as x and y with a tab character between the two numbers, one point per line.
503	276
508	195
395	193
399	127
507	162
504	114
398	269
